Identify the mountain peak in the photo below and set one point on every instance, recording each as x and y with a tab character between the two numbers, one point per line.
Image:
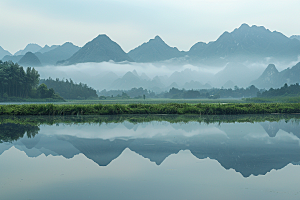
158	38
100	49
29	48
244	25
154	50
271	68
30	60
102	36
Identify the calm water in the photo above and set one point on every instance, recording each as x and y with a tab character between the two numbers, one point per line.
107	158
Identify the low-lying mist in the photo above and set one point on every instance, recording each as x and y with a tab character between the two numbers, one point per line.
159	77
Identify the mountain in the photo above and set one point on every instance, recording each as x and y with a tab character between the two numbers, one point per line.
46	48
272	78
154	50
229	84
100	49
295	37
197	48
30	60
61	52
29	48
187	75
12	58
133	80
128	81
246	43
237	72
267	79
4	53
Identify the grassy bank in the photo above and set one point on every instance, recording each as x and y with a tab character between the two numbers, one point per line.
170	108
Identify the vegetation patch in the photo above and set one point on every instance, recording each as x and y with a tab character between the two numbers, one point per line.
170	108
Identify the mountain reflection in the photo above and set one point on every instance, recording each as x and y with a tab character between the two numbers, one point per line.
248	148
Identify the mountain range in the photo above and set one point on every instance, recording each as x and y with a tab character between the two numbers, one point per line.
243	44
46	55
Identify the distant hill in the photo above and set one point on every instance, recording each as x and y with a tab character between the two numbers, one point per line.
100	49
29	48
12	58
272	78
30	60
46	48
154	50
237	72
133	80
58	53
4	53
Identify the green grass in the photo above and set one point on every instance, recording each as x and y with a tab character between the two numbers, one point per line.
168	108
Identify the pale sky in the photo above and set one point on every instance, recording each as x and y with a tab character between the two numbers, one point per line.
180	23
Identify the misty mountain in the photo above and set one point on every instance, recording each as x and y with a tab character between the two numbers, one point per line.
154	50
187	75
100	49
46	48
29	48
246	43
30	60
272	78
229	84
268	77
133	80
58	53
237	73
12	58
4	53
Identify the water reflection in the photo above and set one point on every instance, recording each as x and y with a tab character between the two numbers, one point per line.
250	148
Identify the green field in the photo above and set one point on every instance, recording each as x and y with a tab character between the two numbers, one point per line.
164	108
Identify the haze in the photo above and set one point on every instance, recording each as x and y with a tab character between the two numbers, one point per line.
132	22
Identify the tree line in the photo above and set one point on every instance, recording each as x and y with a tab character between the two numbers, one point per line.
292	90
19	83
70	90
132	93
213	93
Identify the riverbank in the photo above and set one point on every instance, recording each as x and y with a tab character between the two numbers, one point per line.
170	108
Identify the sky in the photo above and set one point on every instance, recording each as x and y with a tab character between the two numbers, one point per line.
180	23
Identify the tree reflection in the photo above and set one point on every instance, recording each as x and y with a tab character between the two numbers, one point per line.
12	132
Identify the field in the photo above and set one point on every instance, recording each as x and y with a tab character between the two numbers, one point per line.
163	108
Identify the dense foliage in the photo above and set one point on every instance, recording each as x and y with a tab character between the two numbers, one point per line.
292	90
133	93
214	93
70	90
171	108
16	82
